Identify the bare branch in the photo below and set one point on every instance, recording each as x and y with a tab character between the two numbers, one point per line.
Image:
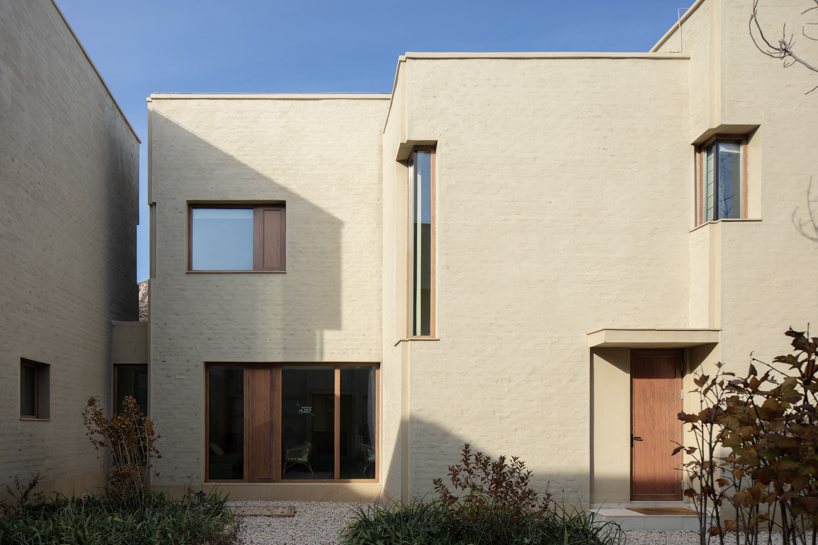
784	49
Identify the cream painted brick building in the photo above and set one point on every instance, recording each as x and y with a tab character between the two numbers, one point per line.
69	163
566	256
529	252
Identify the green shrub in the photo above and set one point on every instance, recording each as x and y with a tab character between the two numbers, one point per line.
109	520
431	523
492	504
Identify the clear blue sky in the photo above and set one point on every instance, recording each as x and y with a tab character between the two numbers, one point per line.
271	46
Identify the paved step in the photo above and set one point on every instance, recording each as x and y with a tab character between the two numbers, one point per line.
631	520
643	504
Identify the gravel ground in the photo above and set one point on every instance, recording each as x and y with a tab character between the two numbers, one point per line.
320	523
644	537
314	523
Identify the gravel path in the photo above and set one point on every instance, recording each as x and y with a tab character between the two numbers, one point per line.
320	523
314	523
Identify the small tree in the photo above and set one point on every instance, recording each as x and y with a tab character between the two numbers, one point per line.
128	441
768	425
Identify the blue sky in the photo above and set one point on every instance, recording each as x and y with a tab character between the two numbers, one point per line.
271	46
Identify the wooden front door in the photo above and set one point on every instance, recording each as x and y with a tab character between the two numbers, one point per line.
656	400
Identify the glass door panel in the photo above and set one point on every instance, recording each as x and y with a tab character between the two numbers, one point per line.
307	422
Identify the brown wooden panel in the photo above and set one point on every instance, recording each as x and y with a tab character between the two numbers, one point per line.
656	402
260	423
273	240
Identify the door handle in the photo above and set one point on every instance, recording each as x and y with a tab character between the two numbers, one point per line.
634	438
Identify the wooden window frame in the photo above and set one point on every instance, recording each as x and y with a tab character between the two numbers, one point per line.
410	247
258	228
117	367
36	367
277	426
700	181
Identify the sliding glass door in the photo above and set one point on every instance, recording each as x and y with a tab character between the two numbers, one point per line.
289	422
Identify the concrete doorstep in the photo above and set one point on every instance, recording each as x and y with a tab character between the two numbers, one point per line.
631	520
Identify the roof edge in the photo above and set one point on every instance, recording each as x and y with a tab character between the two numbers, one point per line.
101	79
676	25
549	55
269	96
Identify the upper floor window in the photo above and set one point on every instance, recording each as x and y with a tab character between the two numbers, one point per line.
422	242
237	237
722	190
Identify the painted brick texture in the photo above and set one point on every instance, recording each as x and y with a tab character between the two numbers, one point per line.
68	208
323	158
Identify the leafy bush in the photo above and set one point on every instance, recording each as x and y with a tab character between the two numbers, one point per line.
128	442
492	504
108	520
431	523
768	425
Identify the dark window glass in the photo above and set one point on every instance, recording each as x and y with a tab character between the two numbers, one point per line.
226	422
307	422
358	433
28	390
421	176
132	381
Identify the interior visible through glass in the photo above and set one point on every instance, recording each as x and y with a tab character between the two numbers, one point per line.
132	381
222	239
28	385
729	177
226	422
421	171
358	434
307	422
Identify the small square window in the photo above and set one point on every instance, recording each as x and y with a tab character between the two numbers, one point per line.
237	237
722	184
34	390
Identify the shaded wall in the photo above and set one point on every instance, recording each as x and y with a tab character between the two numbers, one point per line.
68	203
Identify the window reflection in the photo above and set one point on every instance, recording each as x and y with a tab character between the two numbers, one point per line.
222	239
358	432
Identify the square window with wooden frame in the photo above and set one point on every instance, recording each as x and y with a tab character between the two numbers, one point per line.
721	173
421	244
237	237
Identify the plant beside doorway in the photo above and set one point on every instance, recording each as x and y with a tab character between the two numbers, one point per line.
768	426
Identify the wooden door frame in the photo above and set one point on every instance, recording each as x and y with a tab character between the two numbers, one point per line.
677	354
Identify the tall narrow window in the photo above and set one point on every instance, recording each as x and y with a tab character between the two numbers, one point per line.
422	240
35	390
28	390
722	180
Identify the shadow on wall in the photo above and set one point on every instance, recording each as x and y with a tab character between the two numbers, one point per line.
256	317
435	449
